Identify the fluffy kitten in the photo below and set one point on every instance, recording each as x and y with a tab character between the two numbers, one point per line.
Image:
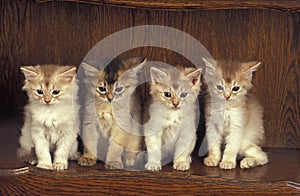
173	110
233	115
49	124
118	113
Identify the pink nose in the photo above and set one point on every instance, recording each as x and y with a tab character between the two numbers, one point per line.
47	101
227	97
175	103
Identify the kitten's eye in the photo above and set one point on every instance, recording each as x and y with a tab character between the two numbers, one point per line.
167	94
102	89
235	88
55	92
119	89
40	92
220	87
183	95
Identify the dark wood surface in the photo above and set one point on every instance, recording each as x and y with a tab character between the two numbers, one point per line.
286	6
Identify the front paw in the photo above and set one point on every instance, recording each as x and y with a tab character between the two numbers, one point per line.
130	162
227	165
87	161
114	165
45	166
151	166
60	166
211	161
181	165
247	163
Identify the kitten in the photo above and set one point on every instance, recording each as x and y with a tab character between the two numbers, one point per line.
49	124
173	109
233	115
118	113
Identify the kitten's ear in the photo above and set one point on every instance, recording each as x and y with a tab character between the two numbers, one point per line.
69	73
210	63
194	77
134	64
250	67
157	75
29	71
90	71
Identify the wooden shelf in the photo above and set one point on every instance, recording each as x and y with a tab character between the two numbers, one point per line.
285	6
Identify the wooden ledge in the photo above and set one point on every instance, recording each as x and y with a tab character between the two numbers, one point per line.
180	5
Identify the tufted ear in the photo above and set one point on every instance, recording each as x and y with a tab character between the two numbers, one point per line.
157	75
89	70
29	71
194	77
211	65
68	73
134	65
249	68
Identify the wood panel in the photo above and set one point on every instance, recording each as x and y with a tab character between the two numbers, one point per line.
64	32
180	5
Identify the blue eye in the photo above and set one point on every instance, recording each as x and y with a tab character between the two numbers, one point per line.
55	92
235	88
167	94
102	89
119	89
40	92
220	87
183	95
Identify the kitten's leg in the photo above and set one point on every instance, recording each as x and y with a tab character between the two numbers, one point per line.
154	145
254	156
233	142
26	149
42	148
64	147
130	158
114	156
183	160
214	141
90	139
74	153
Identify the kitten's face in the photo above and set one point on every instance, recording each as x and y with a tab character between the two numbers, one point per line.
112	86
47	84
230	80
118	80
173	88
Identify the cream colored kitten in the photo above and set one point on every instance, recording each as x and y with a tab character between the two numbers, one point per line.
233	116
173	109
118	113
49	124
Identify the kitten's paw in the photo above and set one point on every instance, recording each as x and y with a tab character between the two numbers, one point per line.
247	163
114	165
130	162
60	166
181	165
32	162
227	165
45	166
87	161
153	166
75	156
211	162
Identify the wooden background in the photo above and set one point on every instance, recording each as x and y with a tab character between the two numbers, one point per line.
64	32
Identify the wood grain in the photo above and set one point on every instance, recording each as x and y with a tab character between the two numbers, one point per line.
200	180
180	5
64	32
